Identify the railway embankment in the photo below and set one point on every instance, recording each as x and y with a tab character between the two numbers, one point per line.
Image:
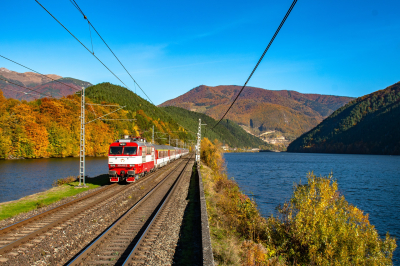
72	229
316	227
65	232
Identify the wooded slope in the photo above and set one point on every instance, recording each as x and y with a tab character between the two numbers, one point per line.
226	132
367	125
51	127
261	110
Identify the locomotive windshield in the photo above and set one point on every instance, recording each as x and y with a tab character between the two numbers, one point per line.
115	150
130	150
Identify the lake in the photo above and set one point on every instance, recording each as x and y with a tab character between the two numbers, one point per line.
370	182
19	178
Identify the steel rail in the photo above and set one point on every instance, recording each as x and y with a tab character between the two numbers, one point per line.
170	192
83	254
19	224
7	248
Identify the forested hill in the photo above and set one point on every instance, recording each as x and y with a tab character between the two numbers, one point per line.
367	125
147	114
49	127
227	132
260	110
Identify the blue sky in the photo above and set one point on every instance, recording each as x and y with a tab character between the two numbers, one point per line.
348	48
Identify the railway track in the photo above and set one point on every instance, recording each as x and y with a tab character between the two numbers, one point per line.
129	238
32	229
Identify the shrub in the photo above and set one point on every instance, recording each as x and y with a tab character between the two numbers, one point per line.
316	227
234	217
319	227
65	180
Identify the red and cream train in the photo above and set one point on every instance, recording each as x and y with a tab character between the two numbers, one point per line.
129	158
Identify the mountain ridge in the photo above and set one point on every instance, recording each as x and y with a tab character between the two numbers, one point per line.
366	125
282	107
40	83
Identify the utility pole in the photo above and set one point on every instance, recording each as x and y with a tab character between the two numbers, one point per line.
82	182
199	141
82	142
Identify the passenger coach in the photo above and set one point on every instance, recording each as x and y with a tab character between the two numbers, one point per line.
130	158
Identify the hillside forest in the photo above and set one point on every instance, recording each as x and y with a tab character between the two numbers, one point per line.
50	127
289	113
227	132
367	125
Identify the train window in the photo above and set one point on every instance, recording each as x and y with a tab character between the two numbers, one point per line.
115	150
130	150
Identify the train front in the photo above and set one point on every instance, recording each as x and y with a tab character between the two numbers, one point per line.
122	159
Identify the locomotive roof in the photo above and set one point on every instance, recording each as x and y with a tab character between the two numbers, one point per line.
148	144
139	143
164	147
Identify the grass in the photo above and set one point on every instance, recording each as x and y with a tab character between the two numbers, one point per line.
42	199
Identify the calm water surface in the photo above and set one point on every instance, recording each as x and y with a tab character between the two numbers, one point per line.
19	178
370	182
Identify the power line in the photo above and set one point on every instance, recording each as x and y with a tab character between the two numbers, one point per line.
84	16
259	61
75	4
38	72
80	43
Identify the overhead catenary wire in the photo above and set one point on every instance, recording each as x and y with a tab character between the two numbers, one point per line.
85	17
75	4
81	43
38	72
259	61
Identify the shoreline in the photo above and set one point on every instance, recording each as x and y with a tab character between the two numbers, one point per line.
51	157
242	236
40	201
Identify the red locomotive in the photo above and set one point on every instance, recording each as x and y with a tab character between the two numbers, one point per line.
130	158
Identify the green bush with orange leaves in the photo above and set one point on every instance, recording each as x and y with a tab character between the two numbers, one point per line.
236	225
319	227
316	227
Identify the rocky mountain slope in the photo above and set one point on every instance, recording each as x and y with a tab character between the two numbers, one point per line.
369	125
260	110
38	83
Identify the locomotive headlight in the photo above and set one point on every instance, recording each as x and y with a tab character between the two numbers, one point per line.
112	165
131	165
